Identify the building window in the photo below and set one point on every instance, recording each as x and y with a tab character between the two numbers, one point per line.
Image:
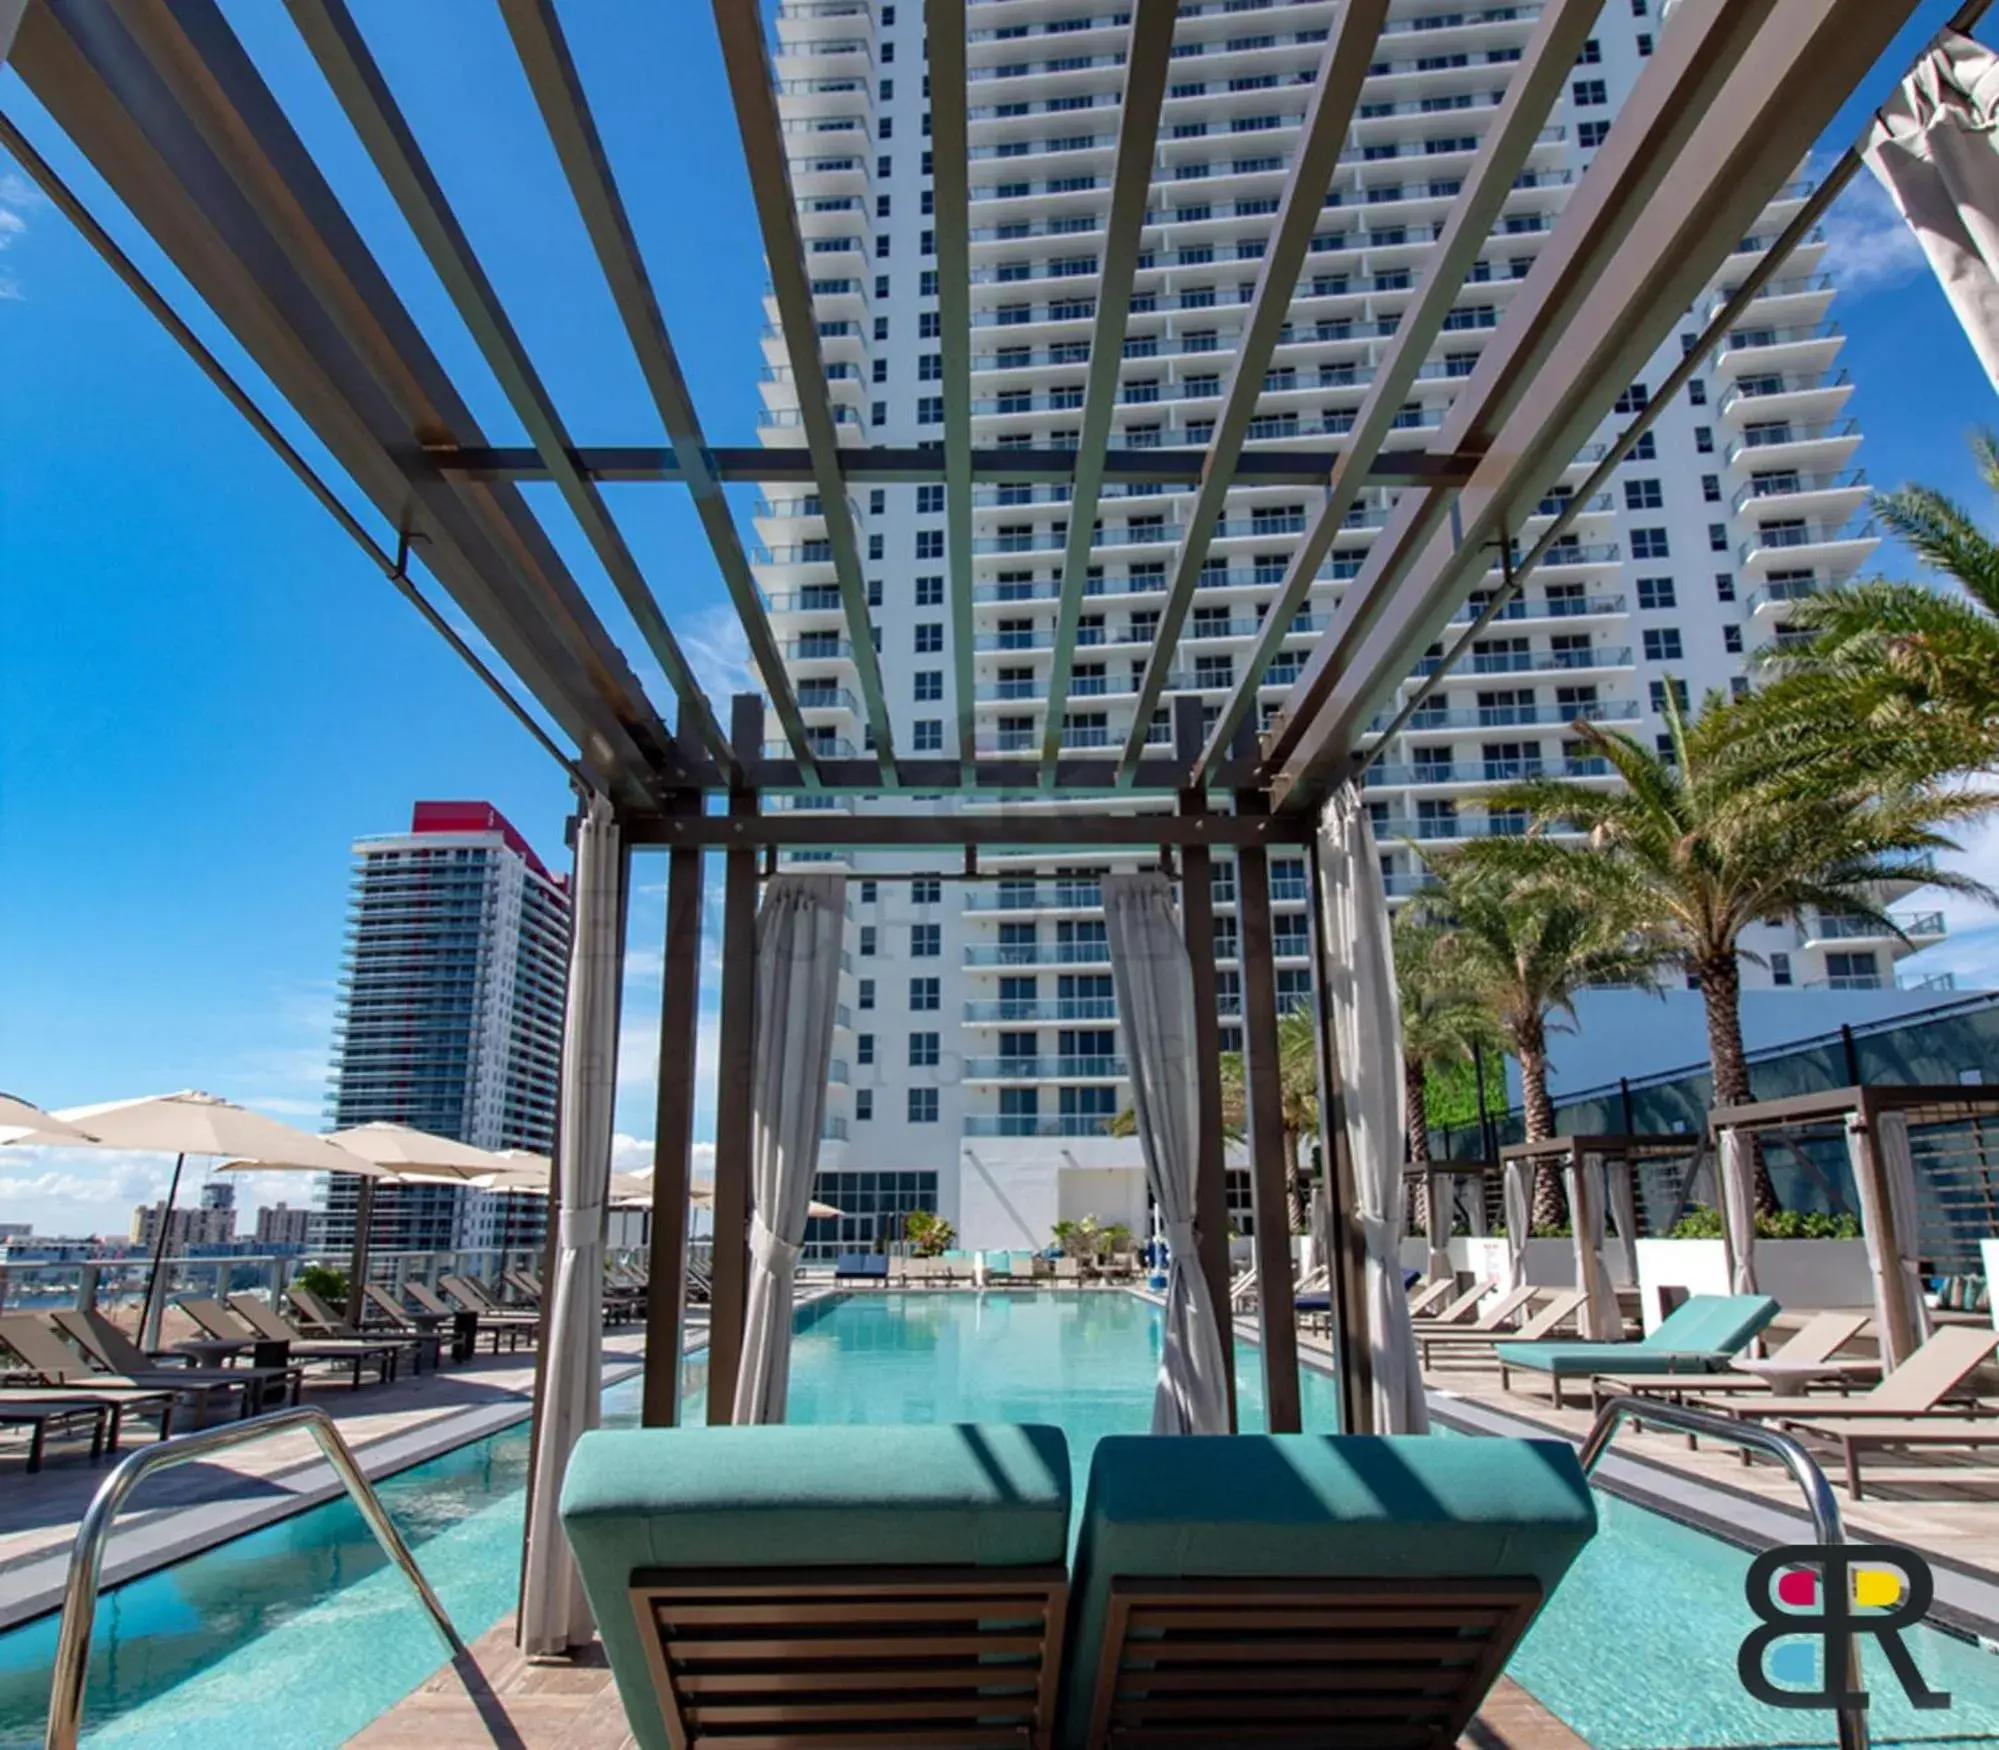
1589	93
926	890
867	941
1658	692
1650	544
930	591
1780	969
1711	488
1662	644
930	543
864	1105
1646	449
870	892
923	1051
1724	586
929	686
1697	393
877	501
876	547
926	941
1704	439
864	1047
929	735
1656	592
930	501
866	997
929	637
925	995
929	325
1590	135
1644	495
923	1105
1634	400
1731	640
1717	537
926	285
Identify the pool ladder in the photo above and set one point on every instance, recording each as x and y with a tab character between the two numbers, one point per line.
86	1560
1820	1502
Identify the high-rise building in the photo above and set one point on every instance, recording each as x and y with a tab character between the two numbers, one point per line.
209	1225
281	1225
450	1016
984	1051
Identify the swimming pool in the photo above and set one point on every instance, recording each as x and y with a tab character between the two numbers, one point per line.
298	1635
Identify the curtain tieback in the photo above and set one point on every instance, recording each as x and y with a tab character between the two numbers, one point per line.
1375	1236
577	1228
779	1257
1180	1240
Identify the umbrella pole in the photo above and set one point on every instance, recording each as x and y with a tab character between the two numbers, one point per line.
154	1310
357	1258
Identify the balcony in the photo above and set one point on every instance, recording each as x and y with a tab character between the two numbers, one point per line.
1037	1124
1513	716
812	698
1815	927
1502	662
1761	349
1045	1069
1788	546
1784	396
1484	772
1787	492
1794	443
1082	896
1038	954
1780	593
1008	1010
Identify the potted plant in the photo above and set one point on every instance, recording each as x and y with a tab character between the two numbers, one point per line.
928	1233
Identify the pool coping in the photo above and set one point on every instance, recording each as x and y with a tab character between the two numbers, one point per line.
34	1587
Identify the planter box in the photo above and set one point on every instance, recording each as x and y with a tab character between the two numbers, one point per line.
1550	1263
1800	1274
1416	1254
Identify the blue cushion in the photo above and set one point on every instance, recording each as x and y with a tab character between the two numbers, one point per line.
1289	1505
1697	1336
797	1497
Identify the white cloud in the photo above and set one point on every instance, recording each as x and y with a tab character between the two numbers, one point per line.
18	197
718	650
1869	246
77	1191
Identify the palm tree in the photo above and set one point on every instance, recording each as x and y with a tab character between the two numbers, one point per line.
1526	924
1726	828
1298	1076
1442	1023
1919	666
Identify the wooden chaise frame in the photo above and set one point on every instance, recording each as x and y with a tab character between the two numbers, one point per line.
1385	1664
849	1659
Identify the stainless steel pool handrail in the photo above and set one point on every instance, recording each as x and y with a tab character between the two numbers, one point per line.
86	1561
1827	1523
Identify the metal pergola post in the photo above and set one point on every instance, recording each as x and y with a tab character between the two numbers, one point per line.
1211	1174
1269	1170
673	1136
734	1070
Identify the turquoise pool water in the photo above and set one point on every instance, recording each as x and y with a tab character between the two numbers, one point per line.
297	1636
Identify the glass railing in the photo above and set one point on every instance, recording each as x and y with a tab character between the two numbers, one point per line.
1044	1069
1037	1124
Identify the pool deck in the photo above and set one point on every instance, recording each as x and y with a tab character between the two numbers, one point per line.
507	1703
174	1514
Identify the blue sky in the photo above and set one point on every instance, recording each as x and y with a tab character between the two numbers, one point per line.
208	692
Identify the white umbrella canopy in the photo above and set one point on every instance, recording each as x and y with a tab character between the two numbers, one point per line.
23	1115
194	1123
703	1197
401	1147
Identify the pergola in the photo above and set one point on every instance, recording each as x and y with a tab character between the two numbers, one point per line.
166	104
1873	1122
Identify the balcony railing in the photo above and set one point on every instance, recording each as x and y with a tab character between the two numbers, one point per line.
1516	716
1043	1009
1037	1124
1789	483
1083	895
1045	1069
1486	772
1038	954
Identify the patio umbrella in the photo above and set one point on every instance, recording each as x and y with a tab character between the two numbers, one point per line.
183	1124
398	1150
16	1114
703	1197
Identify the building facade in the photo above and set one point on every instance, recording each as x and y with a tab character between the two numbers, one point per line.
208	1225
281	1226
981	1065
450	1017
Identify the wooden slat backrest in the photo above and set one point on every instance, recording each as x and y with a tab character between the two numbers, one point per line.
842	1659
1392	1664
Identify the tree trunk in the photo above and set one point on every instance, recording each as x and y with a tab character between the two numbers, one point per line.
1295	1188
1720	978
1417	1125
1551	1202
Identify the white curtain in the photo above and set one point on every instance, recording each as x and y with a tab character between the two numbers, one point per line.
1933	148
1517	1193
554	1614
799	928
1367	1028
1888	1166
1154	981
1440	1213
1738	1209
1621	1184
1601	1321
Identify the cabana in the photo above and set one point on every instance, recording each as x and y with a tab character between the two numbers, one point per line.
1441	1189
1880	1128
173	113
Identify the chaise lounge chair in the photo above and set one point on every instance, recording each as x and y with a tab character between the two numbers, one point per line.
1700	1336
1458	1311
219	1323
1423	1300
317	1319
513	1327
1808	1350
382	1353
1309	1589
61	1378
1900	1411
1477	1343
836	1586
111	1349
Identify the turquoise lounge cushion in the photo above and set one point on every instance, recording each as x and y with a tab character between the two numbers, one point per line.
1699	1334
1286	1505
783	1496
